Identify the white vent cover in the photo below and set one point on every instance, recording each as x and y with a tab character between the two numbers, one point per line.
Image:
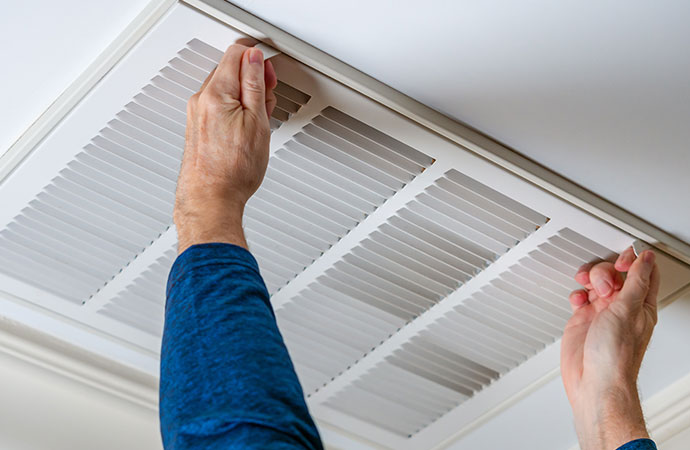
417	285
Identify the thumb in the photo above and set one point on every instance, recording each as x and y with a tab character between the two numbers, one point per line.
253	85
638	281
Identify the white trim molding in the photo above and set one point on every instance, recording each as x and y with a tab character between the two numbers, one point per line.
43	350
668	412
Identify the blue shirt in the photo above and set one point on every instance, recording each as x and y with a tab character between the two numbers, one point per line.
227	381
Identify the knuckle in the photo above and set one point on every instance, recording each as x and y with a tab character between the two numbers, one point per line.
192	102
641	283
253	85
209	102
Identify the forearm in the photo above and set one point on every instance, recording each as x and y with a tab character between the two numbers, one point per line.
226	377
609	418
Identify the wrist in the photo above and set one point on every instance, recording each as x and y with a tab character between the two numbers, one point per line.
210	221
608	417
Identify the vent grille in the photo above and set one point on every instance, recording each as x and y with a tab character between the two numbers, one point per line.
305	205
328	178
500	325
142	304
116	197
424	252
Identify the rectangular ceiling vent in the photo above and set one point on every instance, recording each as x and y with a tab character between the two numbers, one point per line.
417	285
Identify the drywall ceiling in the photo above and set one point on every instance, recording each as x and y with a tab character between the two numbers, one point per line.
597	91
52	43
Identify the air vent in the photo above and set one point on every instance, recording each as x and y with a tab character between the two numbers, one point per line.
500	325
325	180
314	193
116	197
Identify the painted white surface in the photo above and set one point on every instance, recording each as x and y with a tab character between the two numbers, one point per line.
597	91
45	411
45	46
679	441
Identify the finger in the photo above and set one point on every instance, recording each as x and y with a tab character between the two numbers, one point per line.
578	299
654	282
617	281
270	76
253	87
592	296
271	101
247	41
208	78
226	79
271	81
582	275
638	282
602	276
625	260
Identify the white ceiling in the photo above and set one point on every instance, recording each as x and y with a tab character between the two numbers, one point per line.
45	46
597	91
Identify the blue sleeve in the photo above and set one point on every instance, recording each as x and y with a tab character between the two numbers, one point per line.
639	444
227	381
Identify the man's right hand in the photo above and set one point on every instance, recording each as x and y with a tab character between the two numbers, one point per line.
226	148
603	346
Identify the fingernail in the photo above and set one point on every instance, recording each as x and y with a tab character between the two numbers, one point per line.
603	288
649	257
255	56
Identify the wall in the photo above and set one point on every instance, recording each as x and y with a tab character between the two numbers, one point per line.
41	410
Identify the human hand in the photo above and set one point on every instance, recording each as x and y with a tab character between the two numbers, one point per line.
226	148
603	346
